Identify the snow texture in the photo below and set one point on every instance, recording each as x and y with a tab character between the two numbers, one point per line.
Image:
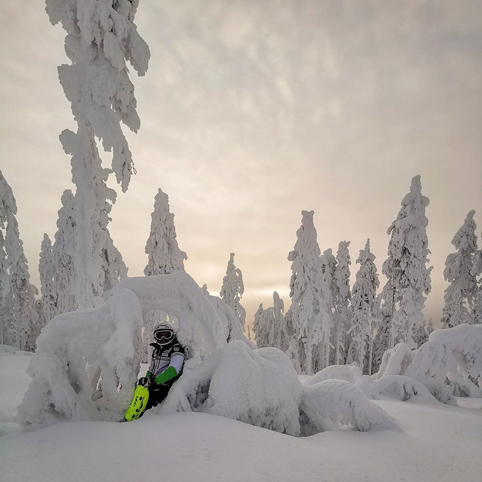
347	373
333	403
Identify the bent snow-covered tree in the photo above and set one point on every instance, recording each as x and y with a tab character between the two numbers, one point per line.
101	37
406	266
233	289
461	293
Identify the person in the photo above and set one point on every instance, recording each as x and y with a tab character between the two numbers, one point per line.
167	362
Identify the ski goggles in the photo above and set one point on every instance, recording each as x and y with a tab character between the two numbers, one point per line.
163	335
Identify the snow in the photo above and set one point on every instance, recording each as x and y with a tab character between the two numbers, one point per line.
436	443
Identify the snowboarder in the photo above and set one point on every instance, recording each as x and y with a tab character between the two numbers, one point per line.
166	367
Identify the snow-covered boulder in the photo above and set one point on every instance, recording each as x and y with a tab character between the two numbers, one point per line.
259	387
349	373
330	404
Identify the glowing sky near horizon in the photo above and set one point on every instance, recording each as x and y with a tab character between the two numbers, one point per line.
252	111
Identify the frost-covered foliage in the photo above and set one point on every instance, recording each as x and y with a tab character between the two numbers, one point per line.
309	315
452	356
101	37
269	325
477	271
385	306
233	289
86	362
4	287
333	403
406	265
63	252
259	387
113	268
18	307
349	373
461	293
364	324
164	255
341	301
46	270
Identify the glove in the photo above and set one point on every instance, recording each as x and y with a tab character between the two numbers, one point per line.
148	374
144	381
166	375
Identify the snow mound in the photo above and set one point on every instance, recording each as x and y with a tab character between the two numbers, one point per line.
452	355
335	372
87	362
330	404
397	387
259	387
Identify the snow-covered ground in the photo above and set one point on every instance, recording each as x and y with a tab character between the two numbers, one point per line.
436	443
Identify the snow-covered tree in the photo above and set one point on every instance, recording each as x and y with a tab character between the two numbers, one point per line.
260	327
385	307
280	333
4	287
101	36
164	255
46	270
63	254
477	271
406	265
430	326
341	301
363	304
204	289
461	293
19	301
309	314
233	289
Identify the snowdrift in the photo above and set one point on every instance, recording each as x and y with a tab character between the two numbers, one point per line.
261	387
450	361
87	362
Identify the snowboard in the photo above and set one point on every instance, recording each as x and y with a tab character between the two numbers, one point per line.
138	405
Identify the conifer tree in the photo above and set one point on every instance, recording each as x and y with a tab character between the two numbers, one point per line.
385	307
342	298
406	265
477	272
46	270
4	286
164	255
280	334
232	290
102	96
363	303
261	327
19	301
63	289
461	293
308	315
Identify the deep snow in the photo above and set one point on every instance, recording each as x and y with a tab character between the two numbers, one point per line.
436	443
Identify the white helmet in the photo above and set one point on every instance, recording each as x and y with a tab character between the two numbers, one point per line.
164	333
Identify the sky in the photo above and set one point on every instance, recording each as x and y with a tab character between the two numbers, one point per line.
252	111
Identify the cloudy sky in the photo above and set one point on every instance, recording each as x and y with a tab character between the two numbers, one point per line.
253	111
